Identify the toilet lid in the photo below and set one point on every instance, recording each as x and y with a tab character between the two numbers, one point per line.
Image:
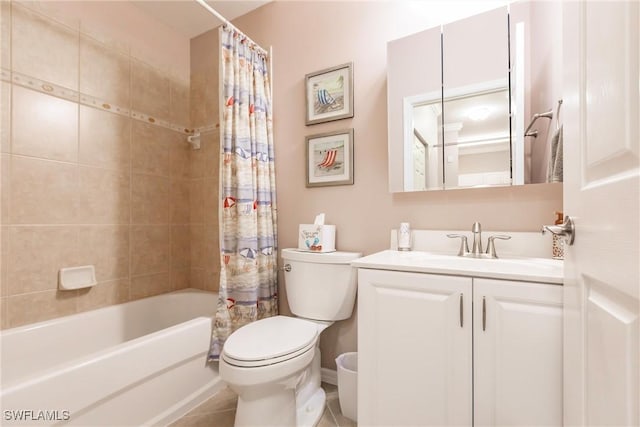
270	338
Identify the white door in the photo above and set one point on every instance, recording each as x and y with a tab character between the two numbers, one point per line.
517	353
414	349
601	193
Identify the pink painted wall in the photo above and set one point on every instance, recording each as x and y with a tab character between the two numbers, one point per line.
309	36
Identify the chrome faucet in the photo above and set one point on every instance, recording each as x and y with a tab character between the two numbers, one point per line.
476	248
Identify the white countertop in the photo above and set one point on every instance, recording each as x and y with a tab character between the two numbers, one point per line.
543	270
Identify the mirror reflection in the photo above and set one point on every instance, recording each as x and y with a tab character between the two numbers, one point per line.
477	140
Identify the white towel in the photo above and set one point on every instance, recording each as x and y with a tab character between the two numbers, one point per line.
554	170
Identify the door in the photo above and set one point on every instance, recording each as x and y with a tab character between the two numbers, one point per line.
517	353
414	349
601	193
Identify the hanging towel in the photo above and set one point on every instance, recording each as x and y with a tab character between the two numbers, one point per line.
554	171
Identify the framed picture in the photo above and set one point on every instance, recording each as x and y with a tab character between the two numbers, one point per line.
329	94
330	158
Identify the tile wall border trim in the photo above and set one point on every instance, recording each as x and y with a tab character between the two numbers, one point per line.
58	91
208	128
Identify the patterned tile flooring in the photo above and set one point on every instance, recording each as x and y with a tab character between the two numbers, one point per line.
220	411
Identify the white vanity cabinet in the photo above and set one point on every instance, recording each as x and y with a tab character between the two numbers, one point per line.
427	356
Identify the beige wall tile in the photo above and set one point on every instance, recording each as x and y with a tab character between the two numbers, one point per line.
104	72
39	306
196	197
180	247
211	246
180	158
104	139
150	251
107	248
198	108
210	200
5	34
4	317
211	280
211	154
204	48
5	167
4	260
103	295
150	199
44	126
104	196
44	49
197	246
180	113
151	93
180	279
197	278
5	115
146	286
150	148
43	192
36	254
197	163
211	97
179	203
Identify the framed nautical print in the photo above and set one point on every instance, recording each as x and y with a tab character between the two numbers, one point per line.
329	94
330	159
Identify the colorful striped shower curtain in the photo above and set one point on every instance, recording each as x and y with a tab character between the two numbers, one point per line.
248	235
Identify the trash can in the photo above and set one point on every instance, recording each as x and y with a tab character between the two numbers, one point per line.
348	384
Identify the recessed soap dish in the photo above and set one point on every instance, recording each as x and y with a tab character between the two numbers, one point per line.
77	277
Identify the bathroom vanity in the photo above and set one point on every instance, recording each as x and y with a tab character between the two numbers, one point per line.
448	340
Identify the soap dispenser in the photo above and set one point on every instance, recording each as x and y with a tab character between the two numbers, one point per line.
557	250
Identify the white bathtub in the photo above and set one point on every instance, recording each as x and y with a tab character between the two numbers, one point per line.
133	364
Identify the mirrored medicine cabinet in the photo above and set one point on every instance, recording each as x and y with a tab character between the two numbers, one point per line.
461	97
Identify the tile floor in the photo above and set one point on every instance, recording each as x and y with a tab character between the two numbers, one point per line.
220	411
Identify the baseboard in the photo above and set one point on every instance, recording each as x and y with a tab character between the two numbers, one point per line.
329	376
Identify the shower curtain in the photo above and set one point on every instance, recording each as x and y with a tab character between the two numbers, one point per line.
247	205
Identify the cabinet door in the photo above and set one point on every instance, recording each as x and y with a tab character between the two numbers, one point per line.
517	353
414	349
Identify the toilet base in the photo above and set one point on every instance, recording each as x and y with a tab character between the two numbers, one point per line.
308	414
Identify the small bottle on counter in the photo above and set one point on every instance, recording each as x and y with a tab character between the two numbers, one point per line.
558	241
404	237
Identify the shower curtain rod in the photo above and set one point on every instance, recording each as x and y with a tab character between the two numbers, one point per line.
227	23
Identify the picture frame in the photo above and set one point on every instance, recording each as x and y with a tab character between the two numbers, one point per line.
329	94
329	158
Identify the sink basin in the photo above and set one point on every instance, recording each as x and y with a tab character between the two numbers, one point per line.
512	268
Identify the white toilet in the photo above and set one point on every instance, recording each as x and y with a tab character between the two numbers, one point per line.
274	364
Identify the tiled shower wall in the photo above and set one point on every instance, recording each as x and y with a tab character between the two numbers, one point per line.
205	261
96	170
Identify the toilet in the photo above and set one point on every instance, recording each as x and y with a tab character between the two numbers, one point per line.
273	364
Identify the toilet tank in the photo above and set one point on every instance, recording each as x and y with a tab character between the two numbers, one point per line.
320	286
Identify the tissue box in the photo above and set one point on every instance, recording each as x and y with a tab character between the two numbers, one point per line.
317	238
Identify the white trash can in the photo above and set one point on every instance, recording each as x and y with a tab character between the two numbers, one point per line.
348	384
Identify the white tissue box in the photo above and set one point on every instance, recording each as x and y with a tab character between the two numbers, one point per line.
317	238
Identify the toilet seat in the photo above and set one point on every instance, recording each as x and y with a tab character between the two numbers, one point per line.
270	341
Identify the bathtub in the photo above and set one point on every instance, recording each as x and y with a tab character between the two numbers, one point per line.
133	364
